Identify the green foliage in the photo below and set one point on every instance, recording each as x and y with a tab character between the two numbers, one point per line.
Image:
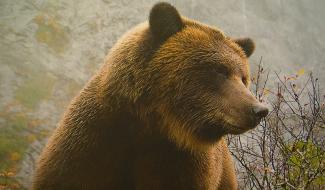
307	163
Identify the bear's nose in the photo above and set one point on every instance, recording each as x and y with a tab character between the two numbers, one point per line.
260	111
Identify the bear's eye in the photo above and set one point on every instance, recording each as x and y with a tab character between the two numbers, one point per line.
244	80
222	70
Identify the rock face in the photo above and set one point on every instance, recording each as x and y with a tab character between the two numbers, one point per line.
48	49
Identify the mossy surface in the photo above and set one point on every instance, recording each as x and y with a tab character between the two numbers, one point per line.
13	144
35	89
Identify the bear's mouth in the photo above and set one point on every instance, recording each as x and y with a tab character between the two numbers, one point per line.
239	129
212	132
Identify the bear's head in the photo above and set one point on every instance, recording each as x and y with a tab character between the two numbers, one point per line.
201	79
196	79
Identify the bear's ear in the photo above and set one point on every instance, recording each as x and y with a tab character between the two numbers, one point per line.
164	21
247	45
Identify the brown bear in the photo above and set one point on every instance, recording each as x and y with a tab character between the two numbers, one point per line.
155	115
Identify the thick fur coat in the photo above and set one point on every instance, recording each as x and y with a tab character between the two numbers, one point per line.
155	114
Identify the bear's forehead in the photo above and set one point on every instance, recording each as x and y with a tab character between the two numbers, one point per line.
205	44
198	44
211	36
204	27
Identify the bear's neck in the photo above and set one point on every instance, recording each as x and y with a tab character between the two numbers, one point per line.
108	111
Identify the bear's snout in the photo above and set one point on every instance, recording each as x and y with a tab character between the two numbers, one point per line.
260	111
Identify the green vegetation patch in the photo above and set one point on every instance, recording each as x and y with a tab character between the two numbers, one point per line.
12	142
13	145
36	88
308	159
52	33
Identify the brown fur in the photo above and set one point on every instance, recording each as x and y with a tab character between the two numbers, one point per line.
155	114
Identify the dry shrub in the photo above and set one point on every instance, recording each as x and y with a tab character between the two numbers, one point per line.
287	149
